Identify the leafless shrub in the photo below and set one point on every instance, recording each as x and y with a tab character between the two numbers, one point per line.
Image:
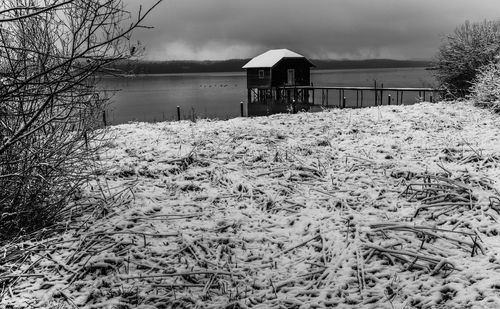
485	91
470	47
51	54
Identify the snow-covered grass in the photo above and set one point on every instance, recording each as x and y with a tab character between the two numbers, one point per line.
383	207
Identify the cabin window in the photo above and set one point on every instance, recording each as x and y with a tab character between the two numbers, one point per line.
261	74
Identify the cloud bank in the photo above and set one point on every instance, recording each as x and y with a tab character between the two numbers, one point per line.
335	29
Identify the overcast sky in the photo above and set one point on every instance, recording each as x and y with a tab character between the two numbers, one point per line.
335	29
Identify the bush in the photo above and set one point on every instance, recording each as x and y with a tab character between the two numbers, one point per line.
471	47
485	91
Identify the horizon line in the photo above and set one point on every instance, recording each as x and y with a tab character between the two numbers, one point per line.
244	59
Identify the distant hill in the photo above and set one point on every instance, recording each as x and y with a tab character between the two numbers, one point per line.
234	65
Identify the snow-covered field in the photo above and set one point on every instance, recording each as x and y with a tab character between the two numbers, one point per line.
382	207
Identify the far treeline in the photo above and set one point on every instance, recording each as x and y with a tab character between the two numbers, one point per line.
234	65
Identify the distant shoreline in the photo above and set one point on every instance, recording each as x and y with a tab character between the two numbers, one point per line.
242	72
234	65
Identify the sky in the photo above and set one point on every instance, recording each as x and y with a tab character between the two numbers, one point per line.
318	29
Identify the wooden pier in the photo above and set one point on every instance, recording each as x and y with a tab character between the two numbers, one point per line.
280	81
343	97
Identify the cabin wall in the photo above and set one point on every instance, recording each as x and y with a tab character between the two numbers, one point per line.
254	81
302	72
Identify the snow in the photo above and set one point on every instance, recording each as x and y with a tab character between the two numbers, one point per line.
271	58
286	211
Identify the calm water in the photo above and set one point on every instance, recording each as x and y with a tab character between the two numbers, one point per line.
217	95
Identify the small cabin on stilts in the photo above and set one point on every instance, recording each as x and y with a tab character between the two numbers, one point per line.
271	81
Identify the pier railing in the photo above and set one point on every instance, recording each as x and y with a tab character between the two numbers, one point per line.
357	96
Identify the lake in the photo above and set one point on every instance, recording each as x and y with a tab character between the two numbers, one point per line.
218	95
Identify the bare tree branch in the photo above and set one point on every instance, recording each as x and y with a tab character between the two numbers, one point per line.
51	56
38	10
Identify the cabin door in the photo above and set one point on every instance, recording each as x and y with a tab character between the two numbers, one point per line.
291	77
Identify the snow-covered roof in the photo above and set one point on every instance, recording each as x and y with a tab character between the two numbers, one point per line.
271	58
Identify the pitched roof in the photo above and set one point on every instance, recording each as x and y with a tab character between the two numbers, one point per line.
271	58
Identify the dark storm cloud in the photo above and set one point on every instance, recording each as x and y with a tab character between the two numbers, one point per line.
221	29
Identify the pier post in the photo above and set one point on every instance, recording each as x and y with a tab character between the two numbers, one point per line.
381	94
343	102
389	100
431	99
178	113
241	109
104	118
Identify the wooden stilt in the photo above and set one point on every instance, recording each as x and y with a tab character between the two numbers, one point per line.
381	94
104	121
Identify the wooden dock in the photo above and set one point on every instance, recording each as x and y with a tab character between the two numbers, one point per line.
354	96
279	80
